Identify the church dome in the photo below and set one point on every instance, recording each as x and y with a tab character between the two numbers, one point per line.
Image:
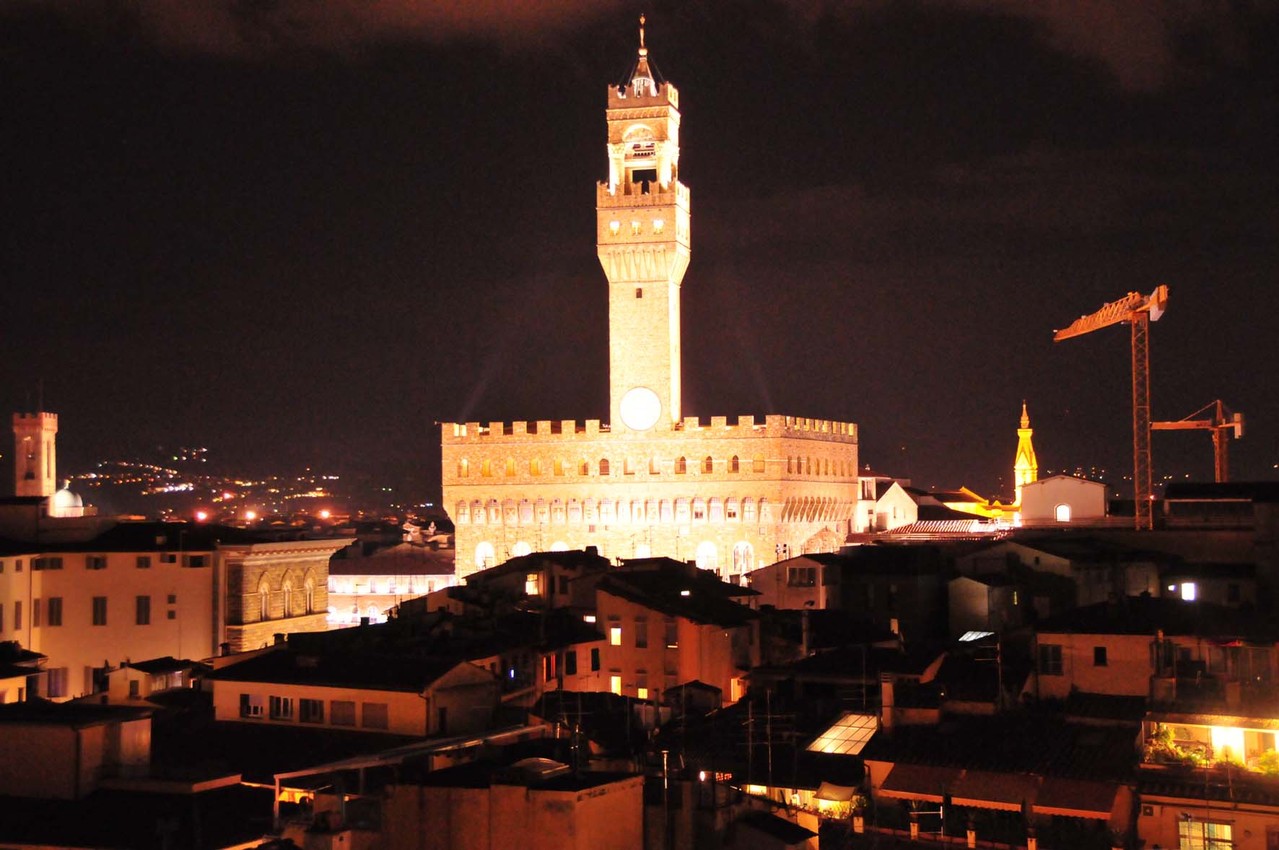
65	500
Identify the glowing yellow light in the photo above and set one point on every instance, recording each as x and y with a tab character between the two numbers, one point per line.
201	516
1227	743
250	515
614	227
324	514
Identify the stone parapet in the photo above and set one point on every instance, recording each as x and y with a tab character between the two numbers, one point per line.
564	431
630	195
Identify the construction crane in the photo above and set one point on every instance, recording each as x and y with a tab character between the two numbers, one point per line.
1138	311
1222	423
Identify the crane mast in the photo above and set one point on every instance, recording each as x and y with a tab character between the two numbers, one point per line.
1138	311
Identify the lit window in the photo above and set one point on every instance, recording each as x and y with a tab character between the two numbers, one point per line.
641	693
614	227
1195	834
658	225
615	635
1062	512
531	584
615	685
1188	591
635	228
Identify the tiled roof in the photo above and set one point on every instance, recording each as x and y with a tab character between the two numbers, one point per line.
1038	743
699	597
1147	615
370	671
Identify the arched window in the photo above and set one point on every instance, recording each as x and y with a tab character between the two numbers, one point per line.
708	465
495	512
708	556
510	512
542	512
733	464
681	511
748	510
288	599
574	512
485	557
731	512
535	466
603	466
667	513
652	466
520	549
1062	513
309	589
486	468
757	463
559	466
510	467
477	512
264	600
715	510
557	512
699	510
583	467
526	512
463	468
743	557
681	465
463	513
790	464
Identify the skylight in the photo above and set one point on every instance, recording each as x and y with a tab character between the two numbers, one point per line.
847	737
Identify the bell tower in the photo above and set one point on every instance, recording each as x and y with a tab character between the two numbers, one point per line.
1025	465
35	454
642	240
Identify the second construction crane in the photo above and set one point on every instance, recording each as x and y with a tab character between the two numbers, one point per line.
1223	424
1138	311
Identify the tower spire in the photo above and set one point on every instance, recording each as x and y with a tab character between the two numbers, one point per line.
1025	465
643	51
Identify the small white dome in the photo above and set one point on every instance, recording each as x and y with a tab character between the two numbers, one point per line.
65	499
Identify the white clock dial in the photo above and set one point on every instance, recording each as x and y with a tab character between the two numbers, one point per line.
641	408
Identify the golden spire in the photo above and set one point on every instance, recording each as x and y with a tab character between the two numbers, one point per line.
1025	418
642	49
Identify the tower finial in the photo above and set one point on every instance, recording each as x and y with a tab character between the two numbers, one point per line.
643	49
1025	417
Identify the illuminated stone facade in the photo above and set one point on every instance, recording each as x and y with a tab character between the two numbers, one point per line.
732	495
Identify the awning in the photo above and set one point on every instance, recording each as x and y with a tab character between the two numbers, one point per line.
919	782
835	793
984	790
1076	798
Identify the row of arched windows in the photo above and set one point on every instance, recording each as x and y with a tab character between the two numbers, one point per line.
290	604
509	468
796	465
684	511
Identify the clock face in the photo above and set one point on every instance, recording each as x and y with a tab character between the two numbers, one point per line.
641	408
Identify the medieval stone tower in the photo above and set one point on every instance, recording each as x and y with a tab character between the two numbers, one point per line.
642	239
729	493
35	454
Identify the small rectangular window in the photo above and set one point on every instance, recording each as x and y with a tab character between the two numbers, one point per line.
375	715
17	615
195	560
570	663
639	292
250	705
35	613
310	711
99	611
641	634
1050	659
95	562
144	562
1099	656
342	712
595	659
54	612
143	611
281	708
615	635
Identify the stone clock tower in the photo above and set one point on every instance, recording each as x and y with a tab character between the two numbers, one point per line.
642	240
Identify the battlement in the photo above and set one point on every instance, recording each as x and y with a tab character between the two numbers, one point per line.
46	420
633	195
554	430
624	97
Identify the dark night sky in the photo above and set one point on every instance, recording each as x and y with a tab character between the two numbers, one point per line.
302	233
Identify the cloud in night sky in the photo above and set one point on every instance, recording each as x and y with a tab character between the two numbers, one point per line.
1145	44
